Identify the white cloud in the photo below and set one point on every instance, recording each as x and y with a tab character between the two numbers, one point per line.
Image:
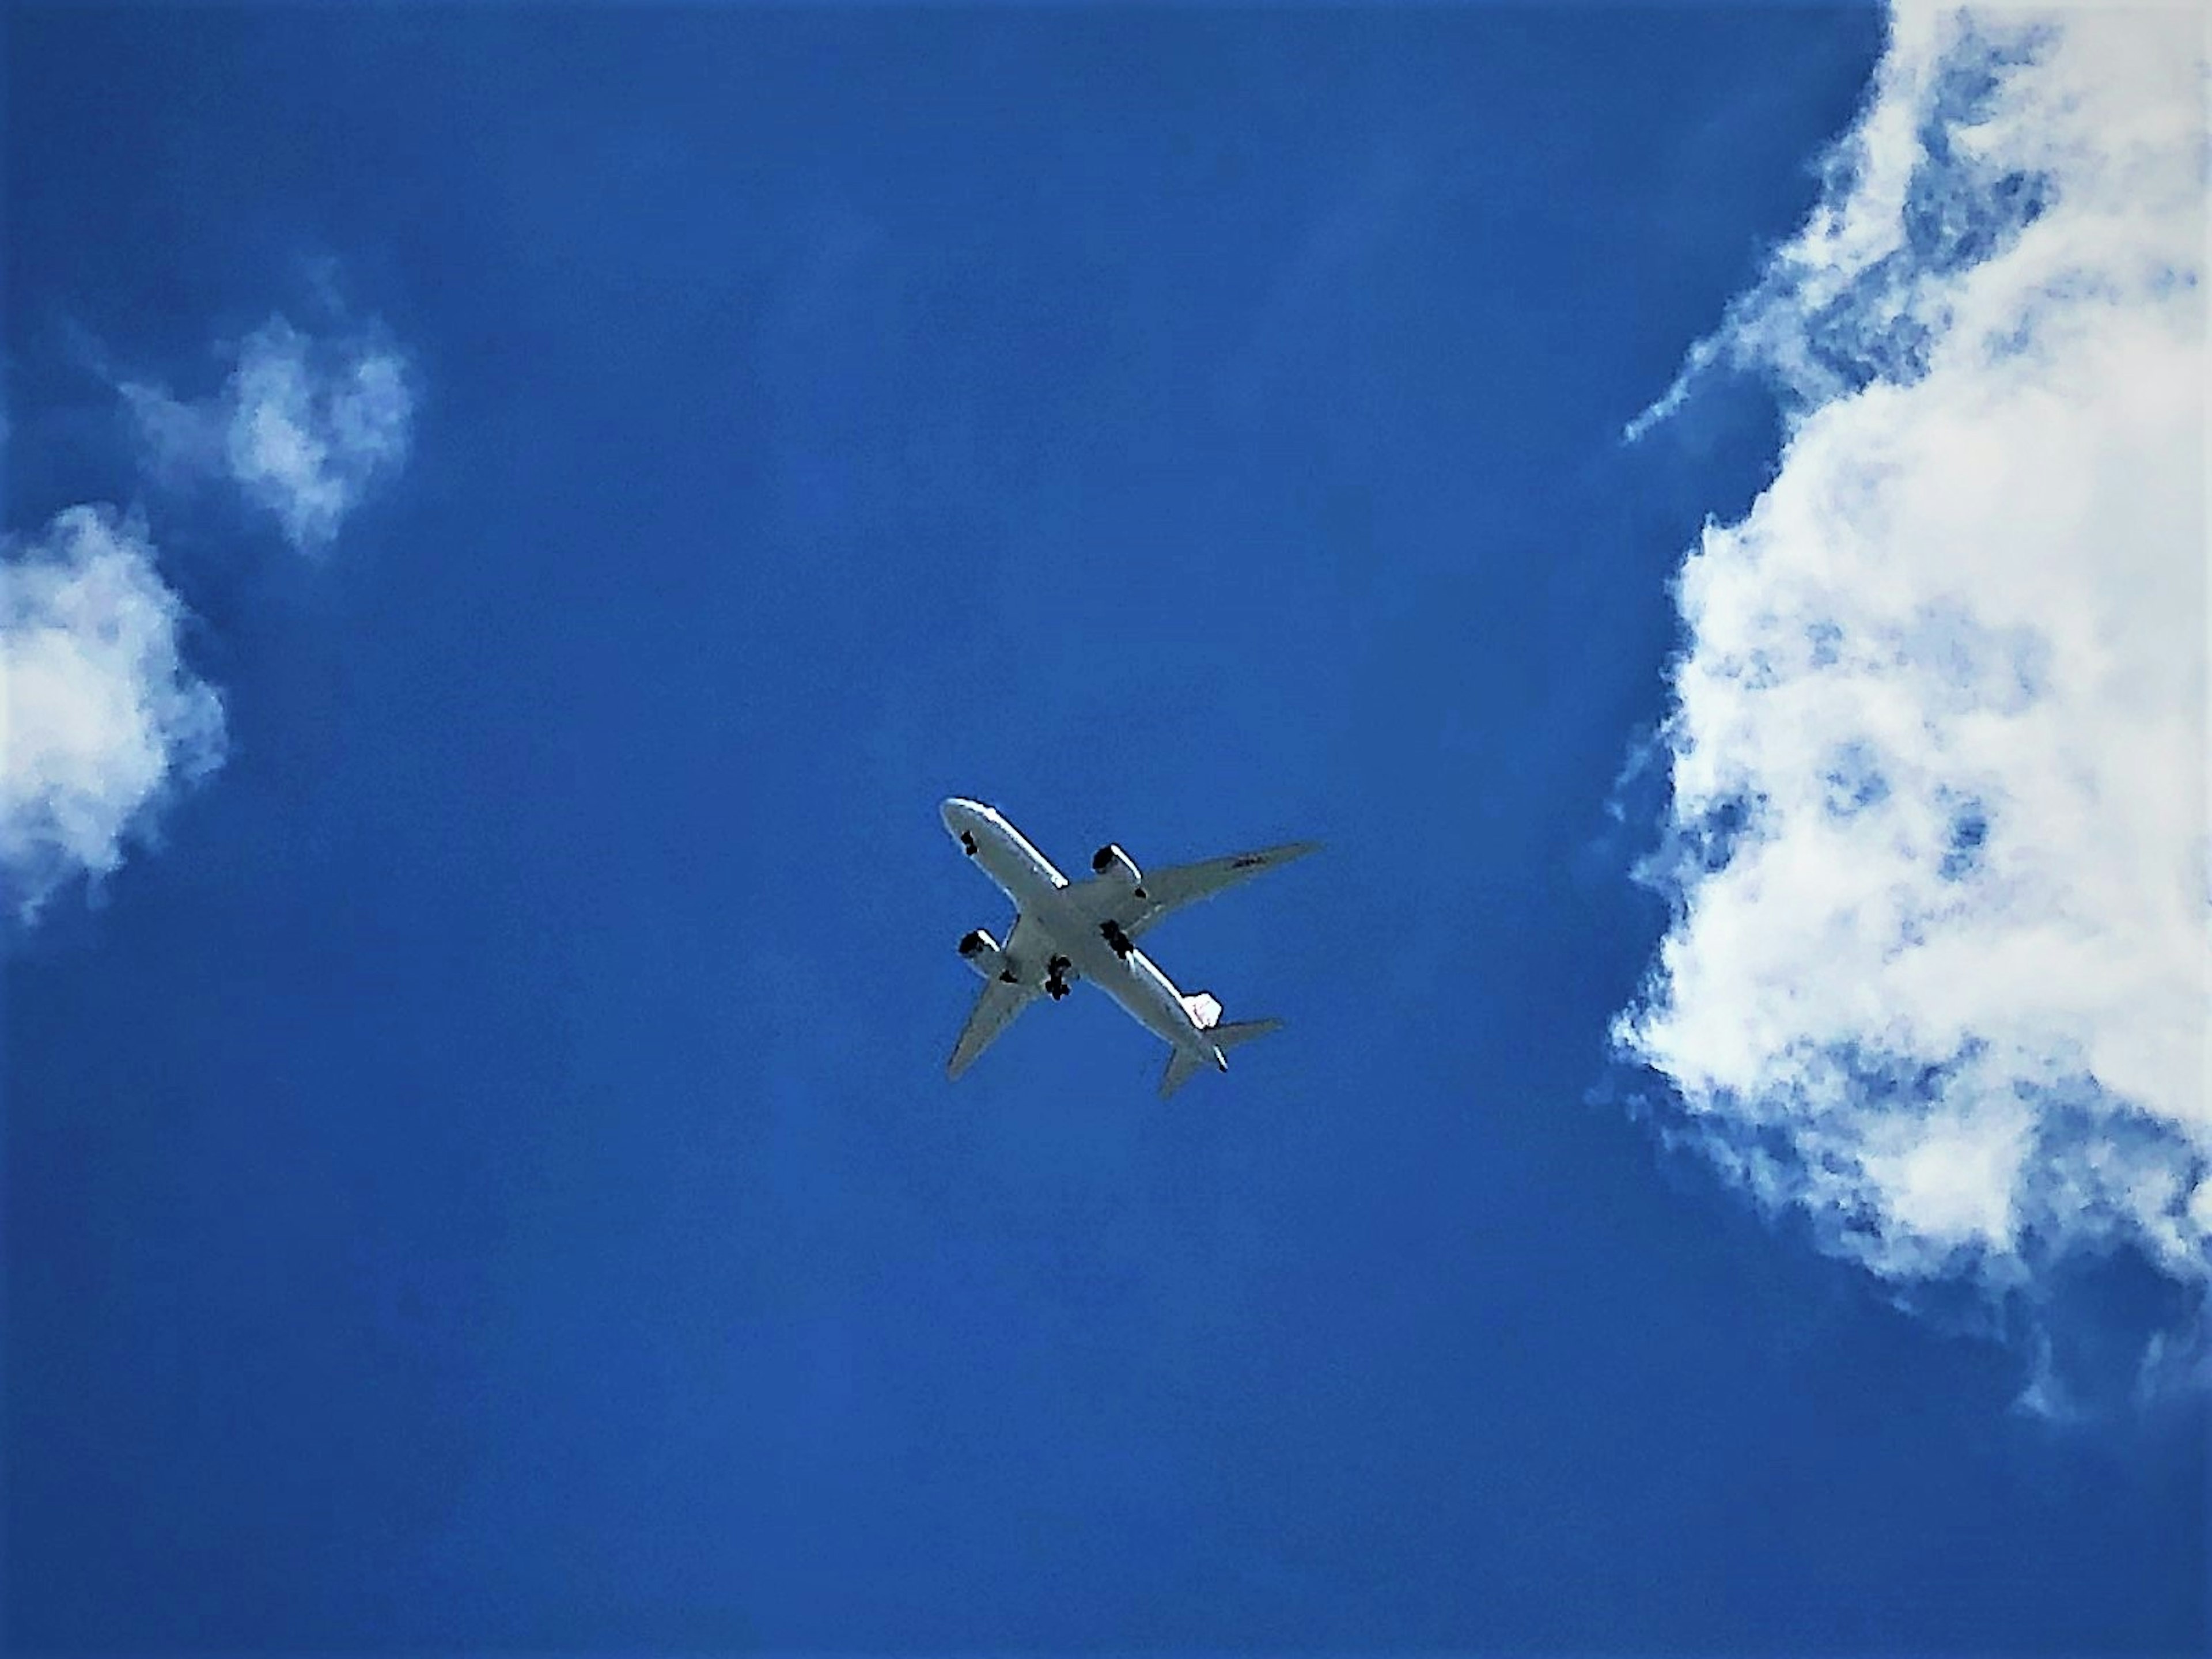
302	427
1938	975
101	721
99	718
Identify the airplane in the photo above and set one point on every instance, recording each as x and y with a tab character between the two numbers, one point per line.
1065	931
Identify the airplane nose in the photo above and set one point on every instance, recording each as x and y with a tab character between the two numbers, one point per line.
958	813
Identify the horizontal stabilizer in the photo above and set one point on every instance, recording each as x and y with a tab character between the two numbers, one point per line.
1243	1031
1182	1062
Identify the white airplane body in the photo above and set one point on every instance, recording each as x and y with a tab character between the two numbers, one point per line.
1065	930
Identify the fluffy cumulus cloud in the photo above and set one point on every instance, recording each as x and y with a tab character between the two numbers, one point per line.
1937	977
303	427
99	718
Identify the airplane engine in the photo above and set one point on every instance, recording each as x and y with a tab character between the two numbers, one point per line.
1113	864
982	952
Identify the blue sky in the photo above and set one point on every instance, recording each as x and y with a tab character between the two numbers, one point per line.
516	519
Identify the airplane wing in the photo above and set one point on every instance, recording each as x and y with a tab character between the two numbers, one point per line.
998	1003
995	1008
1167	890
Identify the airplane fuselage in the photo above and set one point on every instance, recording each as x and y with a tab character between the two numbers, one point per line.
1028	877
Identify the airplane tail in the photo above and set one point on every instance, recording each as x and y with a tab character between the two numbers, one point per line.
1182	1062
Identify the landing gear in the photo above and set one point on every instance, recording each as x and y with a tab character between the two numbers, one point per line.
967	842
1121	943
1055	977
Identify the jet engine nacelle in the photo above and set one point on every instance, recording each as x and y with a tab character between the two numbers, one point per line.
982	952
1113	864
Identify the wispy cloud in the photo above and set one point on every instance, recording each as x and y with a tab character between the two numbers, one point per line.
100	719
1938	974
302	427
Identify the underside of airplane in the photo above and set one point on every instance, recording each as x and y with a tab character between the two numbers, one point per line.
1065	933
